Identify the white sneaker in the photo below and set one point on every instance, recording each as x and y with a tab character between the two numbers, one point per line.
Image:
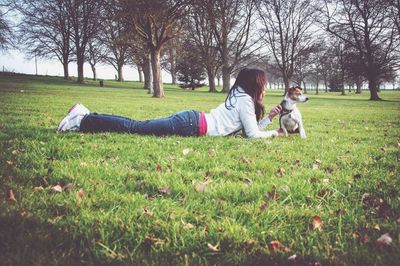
73	119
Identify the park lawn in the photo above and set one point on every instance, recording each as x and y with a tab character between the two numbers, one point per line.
145	200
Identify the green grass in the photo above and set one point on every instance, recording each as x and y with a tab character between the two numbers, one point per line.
125	216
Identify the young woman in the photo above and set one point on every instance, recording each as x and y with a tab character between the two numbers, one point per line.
242	109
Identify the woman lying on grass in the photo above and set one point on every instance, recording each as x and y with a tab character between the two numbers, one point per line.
243	109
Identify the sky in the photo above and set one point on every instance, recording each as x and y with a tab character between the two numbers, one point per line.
15	61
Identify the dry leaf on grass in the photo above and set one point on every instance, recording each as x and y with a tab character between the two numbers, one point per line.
68	187
281	171
316	223
186	151
57	188
80	193
11	196
148	212
202	186
212	248
276	245
384	240
165	191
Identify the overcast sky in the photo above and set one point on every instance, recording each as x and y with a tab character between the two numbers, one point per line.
15	61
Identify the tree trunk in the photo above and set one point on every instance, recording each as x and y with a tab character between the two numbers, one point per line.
211	80
66	71
140	72
373	89
80	61
226	78
358	87
286	82
93	67
148	77
120	73
219	80
305	87
157	78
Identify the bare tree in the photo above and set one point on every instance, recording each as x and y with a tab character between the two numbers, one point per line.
170	57
231	21
287	28
365	26
139	55
95	54
84	18
156	22
6	32
45	30
115	36
201	34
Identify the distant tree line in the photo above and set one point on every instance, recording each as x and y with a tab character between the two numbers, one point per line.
313	43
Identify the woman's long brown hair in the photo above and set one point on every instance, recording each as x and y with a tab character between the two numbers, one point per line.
252	81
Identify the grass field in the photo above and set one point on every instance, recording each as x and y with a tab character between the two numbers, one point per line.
144	200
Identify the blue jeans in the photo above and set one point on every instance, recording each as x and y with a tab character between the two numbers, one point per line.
185	123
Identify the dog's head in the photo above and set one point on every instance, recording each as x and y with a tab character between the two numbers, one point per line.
296	94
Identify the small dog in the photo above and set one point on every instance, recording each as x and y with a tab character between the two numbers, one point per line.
290	117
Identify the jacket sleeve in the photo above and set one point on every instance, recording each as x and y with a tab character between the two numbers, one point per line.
249	121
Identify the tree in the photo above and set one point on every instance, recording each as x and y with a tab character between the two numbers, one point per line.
156	22
366	27
115	36
201	34
170	57
139	55
95	54
190	70
6	33
84	18
45	30
287	28
230	21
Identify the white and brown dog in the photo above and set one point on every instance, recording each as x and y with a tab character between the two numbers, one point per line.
290	117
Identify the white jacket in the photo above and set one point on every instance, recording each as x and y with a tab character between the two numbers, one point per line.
222	121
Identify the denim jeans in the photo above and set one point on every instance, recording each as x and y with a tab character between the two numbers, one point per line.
185	123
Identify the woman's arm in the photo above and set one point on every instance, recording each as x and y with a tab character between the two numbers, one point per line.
248	118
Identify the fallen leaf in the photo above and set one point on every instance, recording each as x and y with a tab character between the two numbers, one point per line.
316	164
275	246
384	240
326	181
212	248
39	188
293	258
68	187
202	186
11	196
281	171
273	194
211	151
165	191
80	193
263	207
158	168
357	176
147	212
9	162
246	179
316	223
329	170
186	151
14	152
245	160
57	188
187	225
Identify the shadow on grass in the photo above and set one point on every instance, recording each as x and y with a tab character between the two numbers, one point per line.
25	241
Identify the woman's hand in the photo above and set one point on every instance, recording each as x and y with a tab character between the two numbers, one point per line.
274	112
